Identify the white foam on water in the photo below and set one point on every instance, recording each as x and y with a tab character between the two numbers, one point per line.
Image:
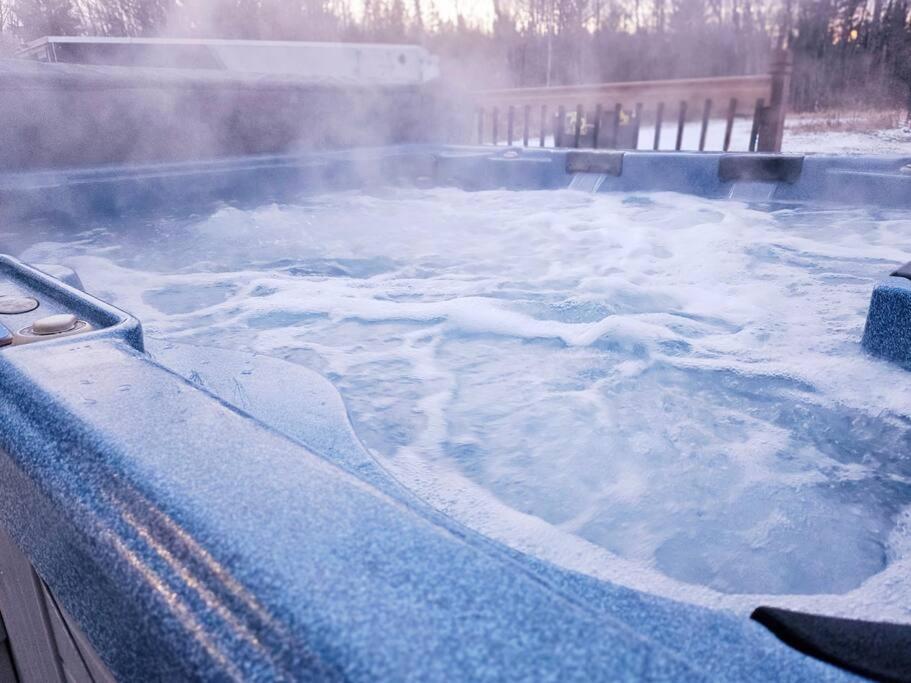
660	390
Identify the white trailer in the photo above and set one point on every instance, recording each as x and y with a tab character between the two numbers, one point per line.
376	64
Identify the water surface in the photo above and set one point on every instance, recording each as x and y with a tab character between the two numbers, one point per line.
658	389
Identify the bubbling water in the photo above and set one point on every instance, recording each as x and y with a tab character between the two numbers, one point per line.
657	389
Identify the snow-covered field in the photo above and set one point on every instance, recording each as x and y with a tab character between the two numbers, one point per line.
848	133
803	134
871	133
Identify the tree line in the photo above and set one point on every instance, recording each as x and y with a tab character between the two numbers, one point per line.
846	52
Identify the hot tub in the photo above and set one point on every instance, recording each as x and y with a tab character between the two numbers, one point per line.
454	413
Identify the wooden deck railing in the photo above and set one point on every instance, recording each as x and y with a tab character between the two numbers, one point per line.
610	115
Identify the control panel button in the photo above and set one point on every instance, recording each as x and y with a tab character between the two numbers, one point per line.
6	337
54	324
13	305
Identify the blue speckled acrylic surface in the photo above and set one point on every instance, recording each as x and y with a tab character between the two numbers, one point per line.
226	524
888	329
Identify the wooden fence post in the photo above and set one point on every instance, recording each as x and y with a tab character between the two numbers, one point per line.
615	126
525	123
658	116
543	124
771	128
758	113
706	114
561	125
681	123
729	124
596	132
578	130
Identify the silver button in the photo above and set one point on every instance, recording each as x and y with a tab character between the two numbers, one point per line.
13	305
54	324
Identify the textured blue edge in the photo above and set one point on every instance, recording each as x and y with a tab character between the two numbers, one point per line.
845	180
190	540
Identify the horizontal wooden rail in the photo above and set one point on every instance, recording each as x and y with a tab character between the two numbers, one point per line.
695	91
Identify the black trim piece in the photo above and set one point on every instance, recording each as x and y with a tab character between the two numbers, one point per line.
31	640
609	163
877	650
81	663
770	168
7	668
904	271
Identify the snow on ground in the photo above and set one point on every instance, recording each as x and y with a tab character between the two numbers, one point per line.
870	133
874	141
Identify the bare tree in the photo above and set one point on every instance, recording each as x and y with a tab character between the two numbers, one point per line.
846	51
38	18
